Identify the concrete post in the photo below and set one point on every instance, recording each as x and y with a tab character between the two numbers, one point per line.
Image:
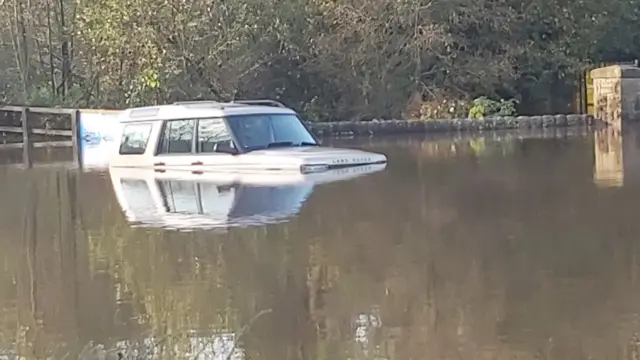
616	94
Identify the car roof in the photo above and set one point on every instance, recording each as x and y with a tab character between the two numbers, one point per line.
203	109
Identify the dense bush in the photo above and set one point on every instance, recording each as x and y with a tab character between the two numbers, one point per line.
483	107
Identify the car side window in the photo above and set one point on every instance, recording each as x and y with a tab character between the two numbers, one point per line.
213	136
134	139
177	137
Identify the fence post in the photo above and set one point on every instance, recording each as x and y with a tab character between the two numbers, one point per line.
27	143
75	138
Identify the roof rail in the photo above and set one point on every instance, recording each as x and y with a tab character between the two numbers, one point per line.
191	102
265	102
146	111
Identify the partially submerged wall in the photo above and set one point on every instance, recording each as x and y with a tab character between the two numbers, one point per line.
388	127
95	124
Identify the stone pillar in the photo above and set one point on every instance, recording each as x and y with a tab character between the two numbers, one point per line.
616	94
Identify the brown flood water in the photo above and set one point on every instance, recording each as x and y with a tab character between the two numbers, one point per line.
494	247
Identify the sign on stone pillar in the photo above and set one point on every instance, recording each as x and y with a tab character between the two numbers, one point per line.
616	94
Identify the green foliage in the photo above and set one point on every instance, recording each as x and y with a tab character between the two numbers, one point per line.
443	107
483	107
44	96
328	59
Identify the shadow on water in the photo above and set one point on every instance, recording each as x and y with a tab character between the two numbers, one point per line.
495	247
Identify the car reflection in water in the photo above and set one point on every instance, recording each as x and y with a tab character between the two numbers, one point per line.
183	200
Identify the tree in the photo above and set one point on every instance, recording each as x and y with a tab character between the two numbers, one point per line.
338	59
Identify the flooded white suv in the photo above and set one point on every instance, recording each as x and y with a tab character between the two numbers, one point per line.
213	136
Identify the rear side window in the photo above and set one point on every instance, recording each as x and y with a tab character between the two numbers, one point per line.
134	139
212	133
177	137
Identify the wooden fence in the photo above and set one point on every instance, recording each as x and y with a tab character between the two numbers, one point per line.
28	130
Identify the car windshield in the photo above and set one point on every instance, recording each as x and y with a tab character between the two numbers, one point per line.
261	131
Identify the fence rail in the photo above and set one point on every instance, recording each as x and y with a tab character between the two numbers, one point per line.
27	130
37	145
50	132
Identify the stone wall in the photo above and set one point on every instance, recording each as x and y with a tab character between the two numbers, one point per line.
388	127
616	94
